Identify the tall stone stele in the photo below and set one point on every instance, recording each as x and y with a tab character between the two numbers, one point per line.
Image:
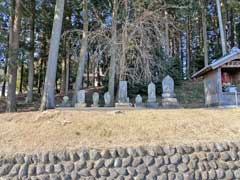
152	97
123	99
169	97
81	99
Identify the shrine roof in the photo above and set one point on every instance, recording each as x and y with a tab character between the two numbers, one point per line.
233	55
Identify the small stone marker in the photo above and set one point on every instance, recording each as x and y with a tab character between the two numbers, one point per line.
123	99
107	99
95	98
169	97
152	97
139	101
65	102
81	96
81	99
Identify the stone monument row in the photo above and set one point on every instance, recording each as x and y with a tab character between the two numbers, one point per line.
169	99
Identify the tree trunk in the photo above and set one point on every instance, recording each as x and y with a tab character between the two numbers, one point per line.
232	25
122	68
67	75
63	77
220	21
82	60
93	74
42	64
122	64
13	55
40	75
68	26
180	50
56	85
5	74
98	76
189	29
112	70
88	70
48	99
4	81
63	69
167	48
21	78
31	56
205	37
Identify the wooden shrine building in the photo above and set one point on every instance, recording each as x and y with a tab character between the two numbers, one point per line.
222	80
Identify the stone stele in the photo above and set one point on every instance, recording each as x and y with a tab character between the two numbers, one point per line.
65	102
123	99
81	99
152	97
95	99
169	97
107	99
139	101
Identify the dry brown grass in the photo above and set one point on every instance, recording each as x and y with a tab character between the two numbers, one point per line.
70	129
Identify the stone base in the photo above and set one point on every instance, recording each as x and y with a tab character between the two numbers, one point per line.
80	105
142	105
152	105
168	95
170	103
123	105
95	106
108	106
65	105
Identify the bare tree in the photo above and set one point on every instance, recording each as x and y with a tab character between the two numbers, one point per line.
123	59
48	99
112	69
84	45
167	48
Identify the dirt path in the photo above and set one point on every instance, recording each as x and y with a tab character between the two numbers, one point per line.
71	129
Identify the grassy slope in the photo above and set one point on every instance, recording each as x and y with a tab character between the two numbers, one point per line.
71	129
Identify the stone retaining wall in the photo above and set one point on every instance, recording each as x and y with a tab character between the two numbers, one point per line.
205	161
